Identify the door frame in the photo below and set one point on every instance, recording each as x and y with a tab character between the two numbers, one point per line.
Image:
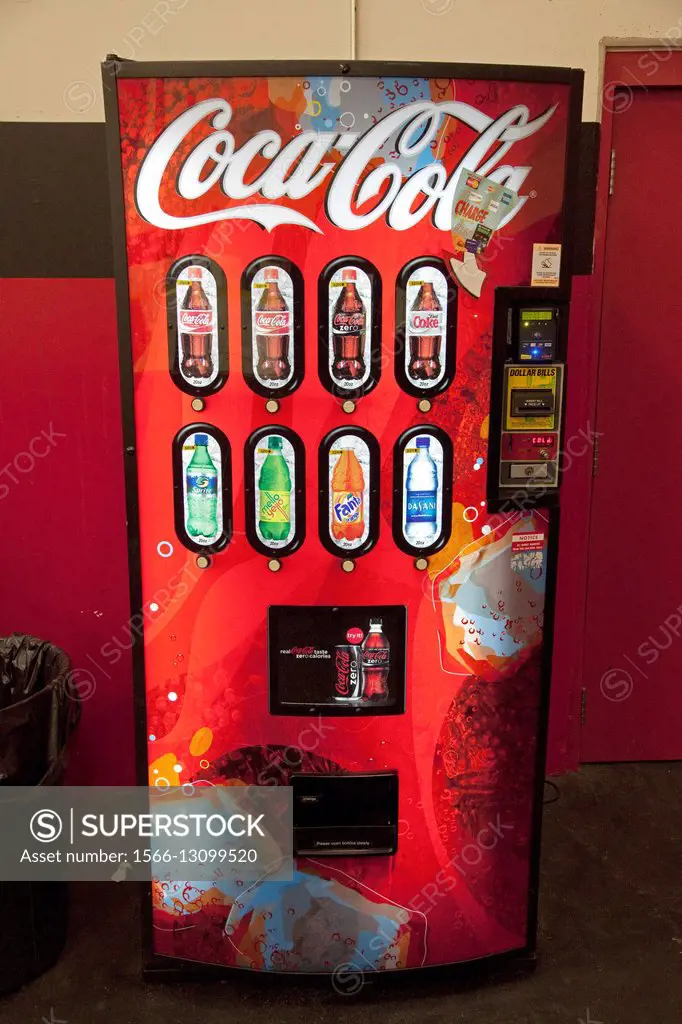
627	66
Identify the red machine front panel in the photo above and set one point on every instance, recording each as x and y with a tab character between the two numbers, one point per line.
300	173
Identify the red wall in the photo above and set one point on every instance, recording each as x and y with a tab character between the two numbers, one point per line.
63	559
63	556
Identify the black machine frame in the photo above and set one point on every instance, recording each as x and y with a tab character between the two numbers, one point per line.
114	68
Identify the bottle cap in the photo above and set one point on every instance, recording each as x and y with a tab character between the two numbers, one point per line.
349	274
271	274
201	439
275	442
423	442
375	622
194	274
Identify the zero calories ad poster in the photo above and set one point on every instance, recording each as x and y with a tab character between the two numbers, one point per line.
311	271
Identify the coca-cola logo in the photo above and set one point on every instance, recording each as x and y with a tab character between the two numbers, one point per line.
296	168
376	657
199	321
343	665
272	322
305	651
348	323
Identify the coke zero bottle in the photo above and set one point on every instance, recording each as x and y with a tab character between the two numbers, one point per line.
272	327
196	328
348	329
425	328
376	656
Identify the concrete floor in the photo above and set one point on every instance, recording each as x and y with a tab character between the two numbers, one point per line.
610	941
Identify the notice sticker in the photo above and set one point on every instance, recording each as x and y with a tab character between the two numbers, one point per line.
546	265
527	551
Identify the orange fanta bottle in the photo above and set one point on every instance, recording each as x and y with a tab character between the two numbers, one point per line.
348	492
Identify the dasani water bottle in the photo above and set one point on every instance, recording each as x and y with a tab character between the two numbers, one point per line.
421	497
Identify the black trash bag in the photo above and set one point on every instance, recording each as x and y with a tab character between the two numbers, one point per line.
39	709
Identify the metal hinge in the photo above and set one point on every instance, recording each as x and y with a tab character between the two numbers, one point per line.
595	457
583	705
612	173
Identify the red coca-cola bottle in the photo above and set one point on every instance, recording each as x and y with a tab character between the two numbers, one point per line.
376	661
272	328
196	323
425	331
348	329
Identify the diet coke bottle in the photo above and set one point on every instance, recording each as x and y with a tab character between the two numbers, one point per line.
425	329
376	662
348	330
196	322
272	328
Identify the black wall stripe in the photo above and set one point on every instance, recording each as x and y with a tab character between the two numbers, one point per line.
588	167
54	201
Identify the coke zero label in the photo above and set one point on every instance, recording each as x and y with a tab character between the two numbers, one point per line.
347	681
237	168
348	323
376	657
350	316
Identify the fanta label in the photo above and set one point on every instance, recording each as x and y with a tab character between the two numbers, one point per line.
347	506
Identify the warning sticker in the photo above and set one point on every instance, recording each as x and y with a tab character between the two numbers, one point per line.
546	265
527	551
528	542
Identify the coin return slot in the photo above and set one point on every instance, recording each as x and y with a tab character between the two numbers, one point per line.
529	471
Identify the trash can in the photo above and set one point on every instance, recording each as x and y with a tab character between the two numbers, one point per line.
39	710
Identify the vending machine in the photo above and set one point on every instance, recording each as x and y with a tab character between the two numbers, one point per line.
343	297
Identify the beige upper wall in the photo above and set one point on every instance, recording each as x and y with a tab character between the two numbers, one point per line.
50	50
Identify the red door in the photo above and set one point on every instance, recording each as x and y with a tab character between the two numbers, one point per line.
633	652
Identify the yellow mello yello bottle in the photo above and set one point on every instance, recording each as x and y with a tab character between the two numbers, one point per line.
274	494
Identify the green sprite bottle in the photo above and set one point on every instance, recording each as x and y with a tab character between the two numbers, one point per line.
274	494
202	491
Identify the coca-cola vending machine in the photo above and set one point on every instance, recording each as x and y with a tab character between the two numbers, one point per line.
343	296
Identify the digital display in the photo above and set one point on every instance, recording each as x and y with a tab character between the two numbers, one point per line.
538	314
